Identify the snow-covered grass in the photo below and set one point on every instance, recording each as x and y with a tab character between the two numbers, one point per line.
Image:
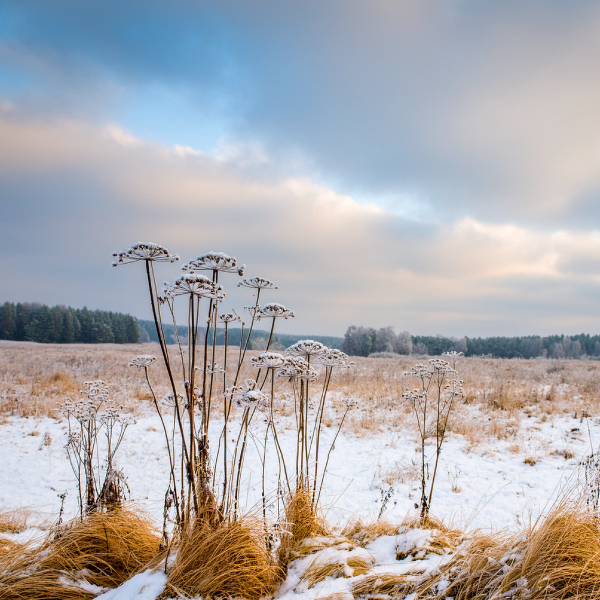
514	443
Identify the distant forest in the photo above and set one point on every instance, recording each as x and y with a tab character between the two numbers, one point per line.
61	324
367	341
35	322
258	342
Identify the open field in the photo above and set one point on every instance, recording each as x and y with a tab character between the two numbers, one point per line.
515	444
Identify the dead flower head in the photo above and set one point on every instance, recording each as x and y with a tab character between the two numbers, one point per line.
143	361
195	285
307	348
144	251
268	360
273	310
334	358
296	367
258	283
230	317
214	261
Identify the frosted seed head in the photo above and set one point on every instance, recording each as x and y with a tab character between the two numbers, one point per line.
274	310
147	251
214	261
258	283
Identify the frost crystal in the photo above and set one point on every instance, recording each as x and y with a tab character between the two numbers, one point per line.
268	360
144	251
194	284
214	261
307	348
258	284
273	310
143	361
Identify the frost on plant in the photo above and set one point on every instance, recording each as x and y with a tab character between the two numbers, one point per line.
100	484
144	251
214	261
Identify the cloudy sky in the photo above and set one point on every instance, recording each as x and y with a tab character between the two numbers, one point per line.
432	165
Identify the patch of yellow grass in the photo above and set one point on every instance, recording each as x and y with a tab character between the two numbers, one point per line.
229	559
302	523
557	559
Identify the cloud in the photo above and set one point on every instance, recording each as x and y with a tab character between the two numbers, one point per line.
473	108
73	192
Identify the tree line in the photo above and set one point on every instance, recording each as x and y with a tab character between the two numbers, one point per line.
35	322
367	341
257	342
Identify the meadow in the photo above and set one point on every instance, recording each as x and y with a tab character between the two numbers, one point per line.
511	465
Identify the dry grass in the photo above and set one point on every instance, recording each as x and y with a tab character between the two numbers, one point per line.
356	562
558	558
104	550
14	521
302	524
109	546
499	393
229	559
364	533
380	585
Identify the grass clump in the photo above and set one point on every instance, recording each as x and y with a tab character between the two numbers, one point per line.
225	559
558	558
108	546
79	560
303	523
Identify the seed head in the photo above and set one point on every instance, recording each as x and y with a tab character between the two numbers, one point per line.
334	358
196	285
144	251
307	348
268	360
258	284
230	317
296	367
273	310
214	261
143	361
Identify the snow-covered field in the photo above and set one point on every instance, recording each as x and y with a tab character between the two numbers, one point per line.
515	444
493	485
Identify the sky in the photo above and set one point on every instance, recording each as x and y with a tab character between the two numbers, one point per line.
430	165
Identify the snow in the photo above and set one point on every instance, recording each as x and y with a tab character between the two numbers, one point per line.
143	586
497	488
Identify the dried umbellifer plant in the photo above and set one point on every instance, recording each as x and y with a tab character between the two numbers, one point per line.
205	485
98	487
432	402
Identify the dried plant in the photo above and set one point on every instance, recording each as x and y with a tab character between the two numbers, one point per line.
432	403
99	485
204	484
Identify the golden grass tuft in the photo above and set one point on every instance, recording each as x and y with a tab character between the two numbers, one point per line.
14	521
354	564
364	533
559	558
303	522
382	584
103	550
228	559
109	546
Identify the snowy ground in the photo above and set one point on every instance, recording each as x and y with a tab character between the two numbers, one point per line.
486	486
494	486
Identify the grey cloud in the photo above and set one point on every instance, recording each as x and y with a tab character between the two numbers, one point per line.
72	193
